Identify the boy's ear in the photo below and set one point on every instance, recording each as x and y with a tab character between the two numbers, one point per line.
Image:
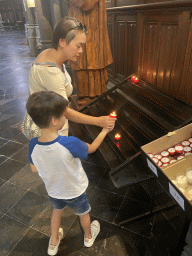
53	121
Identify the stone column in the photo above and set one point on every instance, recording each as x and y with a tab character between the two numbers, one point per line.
55	11
43	13
30	28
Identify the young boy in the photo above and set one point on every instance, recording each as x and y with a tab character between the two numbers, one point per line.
57	160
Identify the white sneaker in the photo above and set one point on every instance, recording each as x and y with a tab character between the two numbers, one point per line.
95	228
56	247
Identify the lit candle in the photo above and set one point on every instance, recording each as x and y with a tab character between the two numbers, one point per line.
117	136
132	78
136	80
113	114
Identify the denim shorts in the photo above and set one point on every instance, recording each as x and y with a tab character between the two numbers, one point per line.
80	205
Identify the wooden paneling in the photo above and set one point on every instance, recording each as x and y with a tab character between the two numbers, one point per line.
125	46
186	81
159	54
155	42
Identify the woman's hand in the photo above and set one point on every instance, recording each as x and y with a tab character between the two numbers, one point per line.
106	121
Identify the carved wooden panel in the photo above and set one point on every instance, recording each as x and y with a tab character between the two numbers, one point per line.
185	91
158	56
125	45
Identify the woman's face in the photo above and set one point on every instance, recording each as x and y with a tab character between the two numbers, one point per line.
75	47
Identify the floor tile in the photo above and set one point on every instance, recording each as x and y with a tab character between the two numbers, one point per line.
132	209
164	234
137	192
28	208
74	240
9	168
105	183
9	195
43	224
39	188
33	243
11	232
10	148
3	141
2	159
25	178
2	182
105	205
120	242
10	133
22	155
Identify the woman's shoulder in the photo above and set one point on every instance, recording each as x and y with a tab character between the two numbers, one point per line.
44	55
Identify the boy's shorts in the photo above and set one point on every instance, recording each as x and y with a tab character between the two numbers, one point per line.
80	205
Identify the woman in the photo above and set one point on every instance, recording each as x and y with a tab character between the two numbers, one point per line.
48	71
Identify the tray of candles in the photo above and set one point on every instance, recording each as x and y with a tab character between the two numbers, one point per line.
170	159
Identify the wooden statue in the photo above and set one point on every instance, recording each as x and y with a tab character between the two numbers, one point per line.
90	72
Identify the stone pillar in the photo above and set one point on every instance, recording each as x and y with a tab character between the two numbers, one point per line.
55	11
43	13
30	28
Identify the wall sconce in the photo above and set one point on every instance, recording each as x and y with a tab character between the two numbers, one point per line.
31	3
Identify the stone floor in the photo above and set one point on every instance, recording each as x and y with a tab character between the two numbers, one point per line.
25	210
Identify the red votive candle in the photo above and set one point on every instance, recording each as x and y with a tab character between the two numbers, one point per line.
150	155
113	114
136	80
165	160
171	151
179	149
117	136
155	160
165	153
132	78
185	143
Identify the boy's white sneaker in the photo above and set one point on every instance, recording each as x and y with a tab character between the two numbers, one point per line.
56	247
95	228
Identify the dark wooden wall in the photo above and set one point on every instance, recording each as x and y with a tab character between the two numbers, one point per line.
11	10
154	41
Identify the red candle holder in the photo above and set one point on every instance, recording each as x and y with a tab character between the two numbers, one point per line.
132	78
113	114
117	136
136	80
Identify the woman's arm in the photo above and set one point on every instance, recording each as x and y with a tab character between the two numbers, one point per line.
77	117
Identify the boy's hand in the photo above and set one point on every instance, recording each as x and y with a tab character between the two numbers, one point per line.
108	129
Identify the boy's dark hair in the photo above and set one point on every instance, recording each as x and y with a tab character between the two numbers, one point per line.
67	29
42	106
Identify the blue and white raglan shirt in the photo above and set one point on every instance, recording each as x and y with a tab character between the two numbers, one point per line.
58	164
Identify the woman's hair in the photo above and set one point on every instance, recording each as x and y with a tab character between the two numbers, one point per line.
67	29
42	106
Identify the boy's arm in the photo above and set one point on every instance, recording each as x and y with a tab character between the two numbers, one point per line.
33	168
99	139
